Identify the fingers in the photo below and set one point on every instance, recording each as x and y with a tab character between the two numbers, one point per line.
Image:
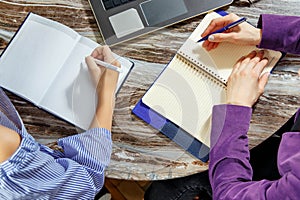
263	82
246	82
215	39
218	23
253	63
94	70
107	54
97	53
222	37
90	63
238	64
233	35
104	53
209	45
214	25
249	61
261	65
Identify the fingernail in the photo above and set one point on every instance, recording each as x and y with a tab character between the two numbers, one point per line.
211	38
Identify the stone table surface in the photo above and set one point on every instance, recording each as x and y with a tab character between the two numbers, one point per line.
139	151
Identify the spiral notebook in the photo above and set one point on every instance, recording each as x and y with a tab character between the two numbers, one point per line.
195	80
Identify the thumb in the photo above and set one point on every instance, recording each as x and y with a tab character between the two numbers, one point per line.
221	37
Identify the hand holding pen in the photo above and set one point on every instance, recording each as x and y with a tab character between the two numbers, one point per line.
108	65
105	82
223	29
240	33
98	62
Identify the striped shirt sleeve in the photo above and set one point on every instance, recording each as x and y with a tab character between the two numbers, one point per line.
37	172
89	148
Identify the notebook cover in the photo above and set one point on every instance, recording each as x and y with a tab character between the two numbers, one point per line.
172	131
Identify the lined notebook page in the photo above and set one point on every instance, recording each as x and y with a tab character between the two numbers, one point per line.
223	58
185	95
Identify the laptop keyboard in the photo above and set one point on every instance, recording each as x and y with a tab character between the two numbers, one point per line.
108	4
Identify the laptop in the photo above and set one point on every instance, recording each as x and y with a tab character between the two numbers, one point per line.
121	20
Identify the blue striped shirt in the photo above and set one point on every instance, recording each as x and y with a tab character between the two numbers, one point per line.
35	171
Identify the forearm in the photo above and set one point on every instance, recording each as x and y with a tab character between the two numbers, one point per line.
104	112
105	81
229	155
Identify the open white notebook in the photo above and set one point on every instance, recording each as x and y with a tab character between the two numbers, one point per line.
44	63
195	80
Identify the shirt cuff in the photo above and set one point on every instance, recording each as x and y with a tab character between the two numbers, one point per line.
267	32
227	120
271	37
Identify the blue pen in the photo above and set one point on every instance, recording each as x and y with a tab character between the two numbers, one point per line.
231	25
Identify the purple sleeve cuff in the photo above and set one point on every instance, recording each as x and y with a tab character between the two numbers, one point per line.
229	120
280	33
271	37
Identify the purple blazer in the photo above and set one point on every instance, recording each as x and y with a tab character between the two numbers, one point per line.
230	172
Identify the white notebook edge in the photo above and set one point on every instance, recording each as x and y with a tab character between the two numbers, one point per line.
45	21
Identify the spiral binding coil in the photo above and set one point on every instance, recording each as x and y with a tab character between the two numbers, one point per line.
200	68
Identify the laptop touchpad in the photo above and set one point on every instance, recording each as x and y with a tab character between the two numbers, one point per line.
123	27
157	11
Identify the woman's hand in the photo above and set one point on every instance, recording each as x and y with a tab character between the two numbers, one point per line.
105	81
246	82
243	34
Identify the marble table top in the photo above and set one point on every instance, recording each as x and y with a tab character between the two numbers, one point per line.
139	151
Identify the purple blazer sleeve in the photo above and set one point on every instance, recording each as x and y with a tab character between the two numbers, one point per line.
230	172
281	33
